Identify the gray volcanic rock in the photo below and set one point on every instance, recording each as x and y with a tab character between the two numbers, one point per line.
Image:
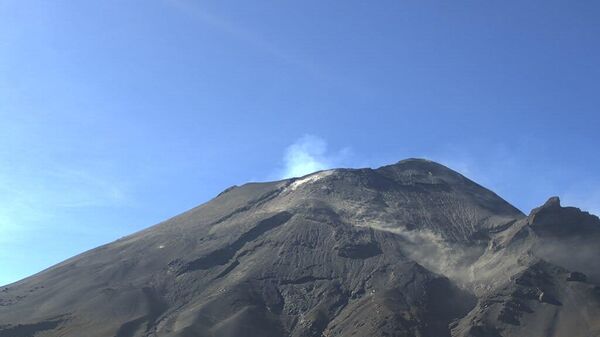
527	285
410	249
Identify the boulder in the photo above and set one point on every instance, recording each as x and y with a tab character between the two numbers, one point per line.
576	277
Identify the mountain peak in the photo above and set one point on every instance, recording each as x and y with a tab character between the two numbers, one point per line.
552	205
420	163
416	160
553	220
552	202
344	252
423	171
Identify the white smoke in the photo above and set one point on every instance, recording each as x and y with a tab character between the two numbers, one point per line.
309	154
432	251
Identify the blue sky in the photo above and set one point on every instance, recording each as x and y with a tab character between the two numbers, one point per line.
115	115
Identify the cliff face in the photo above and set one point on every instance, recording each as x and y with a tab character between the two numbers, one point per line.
410	249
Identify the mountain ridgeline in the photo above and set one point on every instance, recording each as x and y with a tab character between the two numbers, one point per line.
410	249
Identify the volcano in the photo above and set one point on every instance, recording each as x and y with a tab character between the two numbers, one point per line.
409	249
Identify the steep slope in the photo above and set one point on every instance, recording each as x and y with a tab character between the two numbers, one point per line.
539	277
410	249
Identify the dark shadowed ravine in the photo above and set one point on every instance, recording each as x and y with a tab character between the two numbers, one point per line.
410	249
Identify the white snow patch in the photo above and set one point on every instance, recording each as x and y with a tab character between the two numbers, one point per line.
310	179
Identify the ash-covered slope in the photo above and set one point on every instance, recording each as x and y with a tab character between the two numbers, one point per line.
411	249
530	282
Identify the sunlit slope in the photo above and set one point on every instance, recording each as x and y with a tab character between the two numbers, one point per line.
410	249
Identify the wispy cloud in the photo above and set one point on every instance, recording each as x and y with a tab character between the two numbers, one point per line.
40	181
89	188
29	199
498	168
235	31
55	187
525	183
257	41
309	154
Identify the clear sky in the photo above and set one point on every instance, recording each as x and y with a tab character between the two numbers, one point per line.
116	114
